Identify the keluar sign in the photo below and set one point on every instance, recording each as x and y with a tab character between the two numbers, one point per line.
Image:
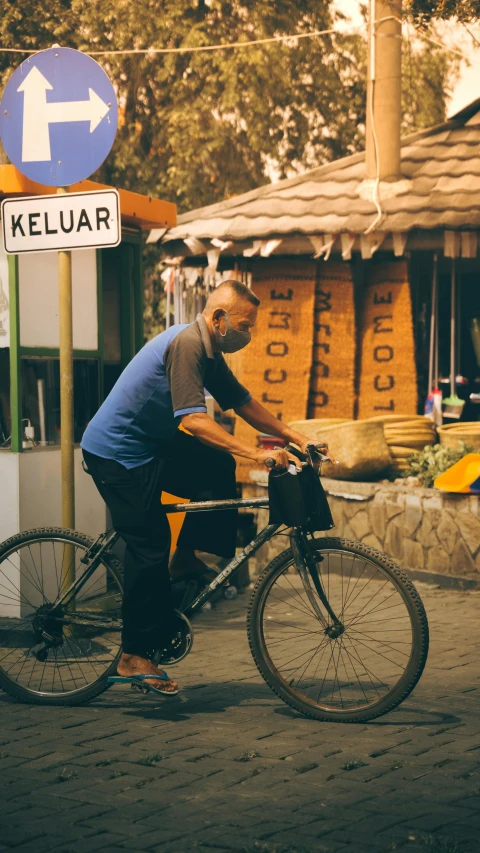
69	221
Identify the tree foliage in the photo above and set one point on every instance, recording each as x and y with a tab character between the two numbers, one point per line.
424	102
426	10
199	127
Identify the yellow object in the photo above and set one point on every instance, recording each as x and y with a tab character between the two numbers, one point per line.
140	210
176	519
460	476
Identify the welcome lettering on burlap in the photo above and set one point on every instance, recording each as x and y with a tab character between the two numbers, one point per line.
332	388
388	376
275	367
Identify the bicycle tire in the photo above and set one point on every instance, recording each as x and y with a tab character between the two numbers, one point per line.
410	596
113	565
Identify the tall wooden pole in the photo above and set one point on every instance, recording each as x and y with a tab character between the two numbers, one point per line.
384	94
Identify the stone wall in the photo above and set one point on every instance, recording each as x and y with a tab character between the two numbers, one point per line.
421	529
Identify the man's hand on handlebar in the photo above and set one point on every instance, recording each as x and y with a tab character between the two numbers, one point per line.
322	451
280	456
320	446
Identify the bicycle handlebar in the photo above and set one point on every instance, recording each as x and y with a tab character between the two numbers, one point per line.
314	451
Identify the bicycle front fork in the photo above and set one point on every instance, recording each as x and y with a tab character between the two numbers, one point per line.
306	565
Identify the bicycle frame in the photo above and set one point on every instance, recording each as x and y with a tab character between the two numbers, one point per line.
239	559
105	541
299	545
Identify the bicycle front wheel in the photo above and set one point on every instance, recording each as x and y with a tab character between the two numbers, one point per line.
354	674
49	654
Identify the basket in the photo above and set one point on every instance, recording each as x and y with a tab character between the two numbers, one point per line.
406	435
451	434
399	453
360	449
314	427
470	426
395	418
403	431
409	428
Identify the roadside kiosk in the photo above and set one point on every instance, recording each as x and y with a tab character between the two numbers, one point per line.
107	332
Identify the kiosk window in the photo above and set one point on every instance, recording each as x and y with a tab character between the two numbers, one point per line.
41	396
5	420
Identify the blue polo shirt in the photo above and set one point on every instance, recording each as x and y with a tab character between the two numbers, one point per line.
164	381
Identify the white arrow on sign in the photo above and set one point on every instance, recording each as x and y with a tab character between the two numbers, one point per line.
38	114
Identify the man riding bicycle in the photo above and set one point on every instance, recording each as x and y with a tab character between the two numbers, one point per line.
134	451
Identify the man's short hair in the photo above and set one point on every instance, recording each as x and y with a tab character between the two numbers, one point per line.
241	290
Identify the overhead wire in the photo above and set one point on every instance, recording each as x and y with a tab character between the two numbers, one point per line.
346	31
472	35
441	44
151	51
205	47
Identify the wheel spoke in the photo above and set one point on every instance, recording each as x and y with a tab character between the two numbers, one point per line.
359	612
322	645
353	664
360	684
40	584
293	606
326	673
84	637
352	654
301	655
383	643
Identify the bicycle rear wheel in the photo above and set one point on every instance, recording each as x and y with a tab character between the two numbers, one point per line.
354	675
51	655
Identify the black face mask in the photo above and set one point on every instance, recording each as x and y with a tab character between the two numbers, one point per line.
233	340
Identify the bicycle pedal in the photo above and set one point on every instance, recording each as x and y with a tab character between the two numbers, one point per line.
179	646
141	689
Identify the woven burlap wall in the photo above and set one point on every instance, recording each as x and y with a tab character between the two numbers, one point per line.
332	387
388	380
275	367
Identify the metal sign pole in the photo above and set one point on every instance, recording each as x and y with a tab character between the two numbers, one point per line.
65	318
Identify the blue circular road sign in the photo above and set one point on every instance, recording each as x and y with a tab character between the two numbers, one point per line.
58	117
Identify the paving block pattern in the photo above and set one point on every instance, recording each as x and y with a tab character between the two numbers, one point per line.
227	767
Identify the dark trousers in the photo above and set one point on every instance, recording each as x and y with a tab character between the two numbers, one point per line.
186	468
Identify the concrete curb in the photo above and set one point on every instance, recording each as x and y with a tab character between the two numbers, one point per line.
465	582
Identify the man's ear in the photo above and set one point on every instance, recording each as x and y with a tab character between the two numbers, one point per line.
217	314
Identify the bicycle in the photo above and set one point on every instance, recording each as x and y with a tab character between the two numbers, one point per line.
336	629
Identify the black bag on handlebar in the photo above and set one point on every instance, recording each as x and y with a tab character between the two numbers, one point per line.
297	499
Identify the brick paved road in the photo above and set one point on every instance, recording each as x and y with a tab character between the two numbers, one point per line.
227	767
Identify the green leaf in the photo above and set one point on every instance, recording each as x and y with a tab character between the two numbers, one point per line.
434	460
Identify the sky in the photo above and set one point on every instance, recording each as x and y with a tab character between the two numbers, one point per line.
453	35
